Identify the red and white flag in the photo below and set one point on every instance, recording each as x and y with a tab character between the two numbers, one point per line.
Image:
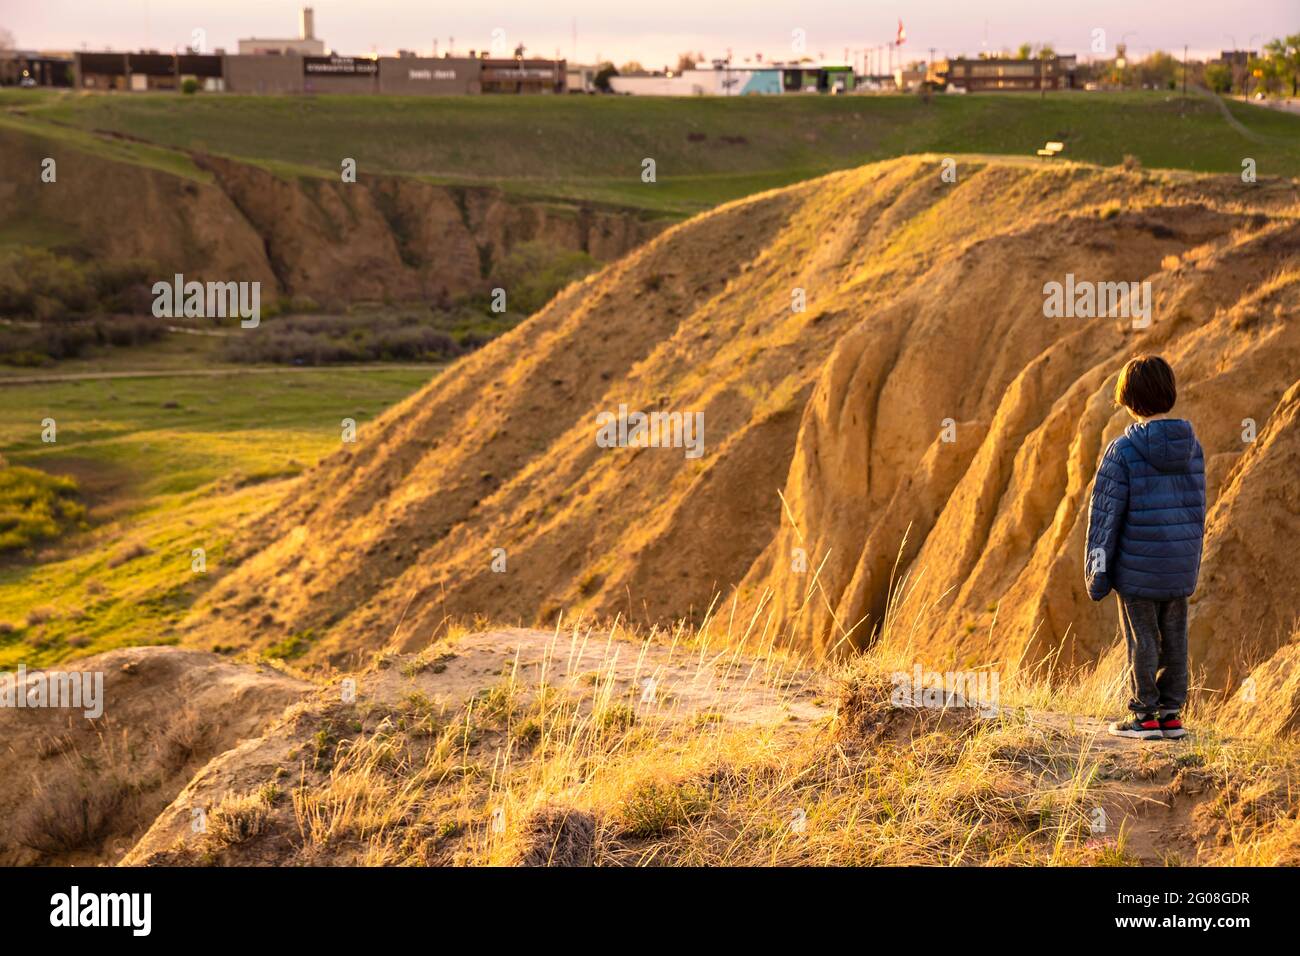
902	35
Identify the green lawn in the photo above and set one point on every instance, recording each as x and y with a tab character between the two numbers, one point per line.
591	148
166	465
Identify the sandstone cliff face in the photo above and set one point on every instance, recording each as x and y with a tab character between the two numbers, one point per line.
824	428
996	518
381	238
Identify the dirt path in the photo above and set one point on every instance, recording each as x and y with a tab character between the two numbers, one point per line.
1235	123
671	682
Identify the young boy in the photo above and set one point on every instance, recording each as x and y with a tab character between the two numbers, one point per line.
1144	541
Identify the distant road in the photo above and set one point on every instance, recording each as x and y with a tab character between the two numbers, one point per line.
1285	105
209	373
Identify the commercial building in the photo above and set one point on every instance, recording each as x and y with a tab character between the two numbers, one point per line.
977	76
263	74
704	80
285	74
579	78
1238	63
816	78
145	71
523	76
31	68
418	75
339	74
304	65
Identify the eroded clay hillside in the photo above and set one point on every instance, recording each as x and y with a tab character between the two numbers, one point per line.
924	305
307	237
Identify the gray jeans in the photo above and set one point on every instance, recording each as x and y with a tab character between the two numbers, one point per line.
1156	635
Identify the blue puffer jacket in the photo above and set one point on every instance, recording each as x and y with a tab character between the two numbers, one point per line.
1148	513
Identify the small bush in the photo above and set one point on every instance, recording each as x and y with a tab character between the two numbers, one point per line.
35	506
53	341
43	285
533	272
71	815
335	339
654	808
182	739
237	819
555	836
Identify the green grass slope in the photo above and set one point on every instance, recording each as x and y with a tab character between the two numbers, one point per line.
164	465
707	149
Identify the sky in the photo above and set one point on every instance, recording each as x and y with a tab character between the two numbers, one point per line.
654	32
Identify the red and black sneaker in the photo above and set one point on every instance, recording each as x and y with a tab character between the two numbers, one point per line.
1140	726
1171	728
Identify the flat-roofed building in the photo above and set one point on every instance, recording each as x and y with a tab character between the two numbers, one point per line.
340	74
305	43
1007	75
32	68
205	68
429	76
263	74
701	81
523	76
147	70
580	78
102	71
152	71
816	78
271	46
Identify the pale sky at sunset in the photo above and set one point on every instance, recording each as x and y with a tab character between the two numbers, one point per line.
655	31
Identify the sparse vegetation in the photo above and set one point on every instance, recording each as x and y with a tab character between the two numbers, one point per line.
531	774
237	819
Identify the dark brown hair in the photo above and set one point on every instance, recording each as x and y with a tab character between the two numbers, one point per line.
1146	385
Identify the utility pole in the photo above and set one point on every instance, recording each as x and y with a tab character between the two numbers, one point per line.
1182	107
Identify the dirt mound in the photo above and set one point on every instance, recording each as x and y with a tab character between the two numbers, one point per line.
402	713
592	747
79	787
488	492
556	836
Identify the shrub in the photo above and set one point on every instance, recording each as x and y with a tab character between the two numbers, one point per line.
72	814
44	285
333	339
654	808
237	819
533	272
35	506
